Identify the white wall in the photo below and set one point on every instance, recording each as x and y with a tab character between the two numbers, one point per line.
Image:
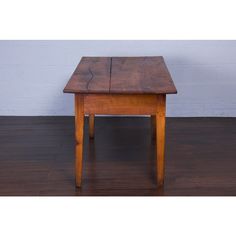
34	73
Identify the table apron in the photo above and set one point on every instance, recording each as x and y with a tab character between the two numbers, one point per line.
116	104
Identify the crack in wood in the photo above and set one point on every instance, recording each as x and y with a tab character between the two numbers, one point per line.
87	86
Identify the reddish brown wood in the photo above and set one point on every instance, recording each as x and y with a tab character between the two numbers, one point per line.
116	86
121	75
79	137
92	75
160	138
137	75
118	104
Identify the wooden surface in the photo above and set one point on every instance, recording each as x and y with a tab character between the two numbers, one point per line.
37	157
79	137
111	104
160	138
120	86
92	74
119	75
128	104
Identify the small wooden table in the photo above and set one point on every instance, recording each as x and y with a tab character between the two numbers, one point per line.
120	86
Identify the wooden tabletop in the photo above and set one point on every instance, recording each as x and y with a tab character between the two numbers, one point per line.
121	75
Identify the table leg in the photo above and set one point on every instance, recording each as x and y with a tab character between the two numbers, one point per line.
91	125
79	136
160	138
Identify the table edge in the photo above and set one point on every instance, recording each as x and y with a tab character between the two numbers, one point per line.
125	92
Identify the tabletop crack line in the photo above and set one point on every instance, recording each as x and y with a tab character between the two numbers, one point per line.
90	79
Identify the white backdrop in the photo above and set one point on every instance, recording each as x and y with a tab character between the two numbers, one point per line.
34	73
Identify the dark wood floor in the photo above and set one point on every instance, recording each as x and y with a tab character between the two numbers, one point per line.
37	157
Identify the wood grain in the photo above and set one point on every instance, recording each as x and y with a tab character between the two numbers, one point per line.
121	75
37	157
120	86
160	138
92	75
79	137
120	104
141	75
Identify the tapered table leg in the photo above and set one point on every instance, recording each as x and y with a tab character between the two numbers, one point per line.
91	126
79	136
160	138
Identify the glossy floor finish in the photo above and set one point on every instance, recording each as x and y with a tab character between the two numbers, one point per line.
37	157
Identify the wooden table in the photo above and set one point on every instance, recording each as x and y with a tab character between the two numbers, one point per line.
120	86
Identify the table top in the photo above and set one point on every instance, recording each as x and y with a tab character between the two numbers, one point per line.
121	75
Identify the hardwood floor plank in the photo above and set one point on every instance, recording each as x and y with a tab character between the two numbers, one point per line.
37	157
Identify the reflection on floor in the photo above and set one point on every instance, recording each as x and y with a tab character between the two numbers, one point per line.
37	157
